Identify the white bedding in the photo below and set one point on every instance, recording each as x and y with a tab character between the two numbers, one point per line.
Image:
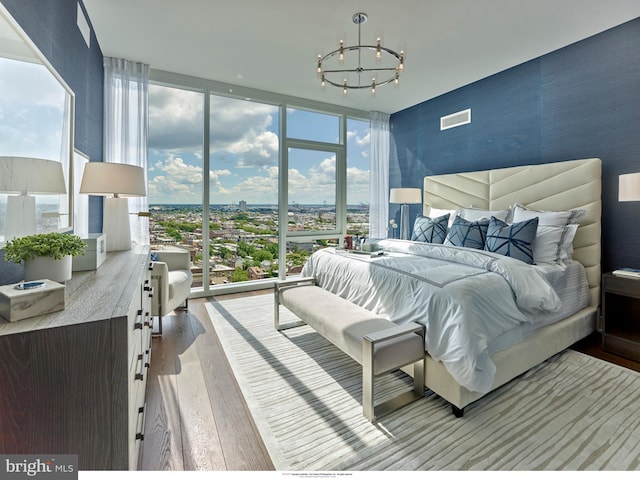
465	298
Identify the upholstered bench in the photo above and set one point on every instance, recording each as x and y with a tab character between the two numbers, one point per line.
379	345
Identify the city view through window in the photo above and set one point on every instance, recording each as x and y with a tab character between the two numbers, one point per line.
240	241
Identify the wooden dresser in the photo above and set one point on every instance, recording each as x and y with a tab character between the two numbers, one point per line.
73	382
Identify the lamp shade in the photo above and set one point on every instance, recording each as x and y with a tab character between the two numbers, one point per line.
26	175
117	179
629	187
405	195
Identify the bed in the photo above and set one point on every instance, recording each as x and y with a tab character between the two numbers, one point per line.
453	288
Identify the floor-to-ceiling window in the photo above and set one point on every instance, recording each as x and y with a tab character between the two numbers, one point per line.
176	171
243	192
245	226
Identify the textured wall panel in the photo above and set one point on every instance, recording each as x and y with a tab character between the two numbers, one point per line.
577	102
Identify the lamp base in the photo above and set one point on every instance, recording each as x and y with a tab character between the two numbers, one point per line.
404	221
21	216
115	223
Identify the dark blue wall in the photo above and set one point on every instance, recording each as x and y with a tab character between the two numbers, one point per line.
582	101
52	26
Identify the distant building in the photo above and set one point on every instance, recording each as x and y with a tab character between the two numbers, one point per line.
256	273
243	206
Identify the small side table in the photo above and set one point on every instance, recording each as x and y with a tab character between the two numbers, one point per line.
621	315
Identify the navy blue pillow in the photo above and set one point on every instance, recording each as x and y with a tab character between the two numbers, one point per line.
430	230
515	240
468	234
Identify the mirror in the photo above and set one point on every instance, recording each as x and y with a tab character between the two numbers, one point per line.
36	123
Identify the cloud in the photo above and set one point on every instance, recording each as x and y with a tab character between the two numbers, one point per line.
172	180
244	150
252	150
256	189
32	106
240	135
175	119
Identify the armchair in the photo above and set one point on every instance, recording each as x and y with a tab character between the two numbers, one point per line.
171	280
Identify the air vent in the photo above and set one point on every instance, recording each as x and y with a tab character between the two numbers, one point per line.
455	119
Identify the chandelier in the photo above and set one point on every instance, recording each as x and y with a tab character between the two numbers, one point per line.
360	66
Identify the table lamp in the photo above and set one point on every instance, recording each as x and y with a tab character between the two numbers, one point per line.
115	181
26	176
405	196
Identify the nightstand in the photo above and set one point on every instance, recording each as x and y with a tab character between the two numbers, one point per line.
621	315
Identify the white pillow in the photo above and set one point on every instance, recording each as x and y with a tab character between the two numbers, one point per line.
474	214
553	244
545	217
566	245
439	212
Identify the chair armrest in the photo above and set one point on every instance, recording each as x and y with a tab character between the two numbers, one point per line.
175	259
160	283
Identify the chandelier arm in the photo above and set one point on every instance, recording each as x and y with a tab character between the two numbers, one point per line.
353	87
359	47
361	69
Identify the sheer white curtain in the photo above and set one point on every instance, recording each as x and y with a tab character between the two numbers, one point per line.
126	104
379	163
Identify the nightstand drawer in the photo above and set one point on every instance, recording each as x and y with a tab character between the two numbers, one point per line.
628	286
621	346
621	315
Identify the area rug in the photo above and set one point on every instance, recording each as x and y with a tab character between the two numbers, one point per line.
573	412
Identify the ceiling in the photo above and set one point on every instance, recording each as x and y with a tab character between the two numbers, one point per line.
272	45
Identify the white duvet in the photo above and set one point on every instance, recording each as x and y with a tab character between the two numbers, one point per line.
463	297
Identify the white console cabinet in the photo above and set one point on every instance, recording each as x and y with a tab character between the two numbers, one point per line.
74	381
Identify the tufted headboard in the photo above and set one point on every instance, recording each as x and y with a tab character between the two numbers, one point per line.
552	186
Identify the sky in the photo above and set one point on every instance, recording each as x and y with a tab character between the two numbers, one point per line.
244	152
244	143
32	124
31	111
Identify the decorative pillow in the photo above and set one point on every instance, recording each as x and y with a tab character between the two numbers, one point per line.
464	233
512	240
547	246
559	218
474	214
566	244
430	230
438	212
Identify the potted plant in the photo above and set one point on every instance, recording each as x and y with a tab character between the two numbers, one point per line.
45	255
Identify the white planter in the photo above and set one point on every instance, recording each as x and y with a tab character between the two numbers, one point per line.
46	267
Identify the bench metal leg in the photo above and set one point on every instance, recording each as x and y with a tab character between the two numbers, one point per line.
277	288
370	410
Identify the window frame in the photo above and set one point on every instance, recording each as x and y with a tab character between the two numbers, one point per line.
211	87
30	53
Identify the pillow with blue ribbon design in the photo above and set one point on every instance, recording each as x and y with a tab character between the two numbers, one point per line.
430	230
512	240
468	234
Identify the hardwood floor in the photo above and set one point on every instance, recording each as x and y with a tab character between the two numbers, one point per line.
592	345
197	417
